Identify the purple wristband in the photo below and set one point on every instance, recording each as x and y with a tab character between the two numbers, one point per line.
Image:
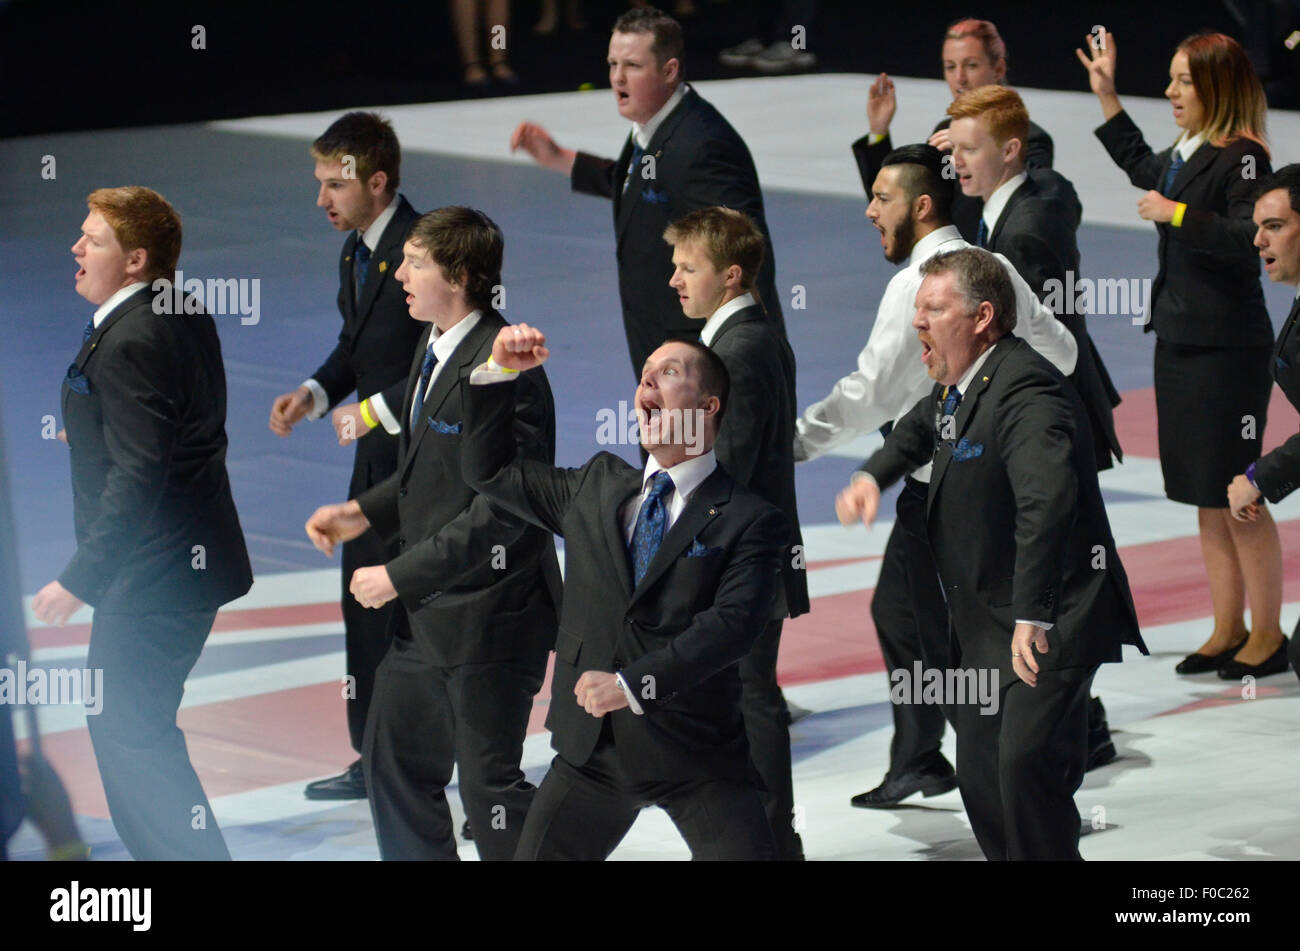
1250	475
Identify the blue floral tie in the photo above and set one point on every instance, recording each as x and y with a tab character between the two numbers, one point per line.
90	329
649	531
951	400
360	261
638	153
1175	167
982	239
426	371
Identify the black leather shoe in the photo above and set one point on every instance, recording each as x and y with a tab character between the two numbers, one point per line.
349	784
1101	749
1204	663
893	791
1276	663
466	833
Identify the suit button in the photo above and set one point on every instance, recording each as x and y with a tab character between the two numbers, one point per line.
401	493
401	543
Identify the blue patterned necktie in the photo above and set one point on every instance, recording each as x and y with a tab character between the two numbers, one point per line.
1175	167
90	329
649	531
360	261
951	400
982	239
426	371
638	153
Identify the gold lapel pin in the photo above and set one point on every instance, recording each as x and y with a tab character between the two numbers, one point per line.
383	266
713	511
986	379
348	259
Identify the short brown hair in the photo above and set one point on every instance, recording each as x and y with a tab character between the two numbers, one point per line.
668	43
727	236
980	277
1001	110
369	138
142	218
1228	88
715	380
463	241
985	32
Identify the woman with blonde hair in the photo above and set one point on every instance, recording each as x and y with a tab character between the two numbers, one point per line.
1213	336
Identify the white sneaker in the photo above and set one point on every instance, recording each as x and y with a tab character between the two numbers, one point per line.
742	55
781	57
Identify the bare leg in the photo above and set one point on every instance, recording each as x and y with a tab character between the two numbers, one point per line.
498	14
464	18
1259	552
1227	591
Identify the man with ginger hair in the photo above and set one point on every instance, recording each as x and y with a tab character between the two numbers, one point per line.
159	546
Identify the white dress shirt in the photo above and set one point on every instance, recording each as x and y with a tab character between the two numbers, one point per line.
713	326
106	308
443	344
998	200
320	401
642	134
890	378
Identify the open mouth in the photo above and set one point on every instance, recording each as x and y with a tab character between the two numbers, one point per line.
81	272
926	350
1268	260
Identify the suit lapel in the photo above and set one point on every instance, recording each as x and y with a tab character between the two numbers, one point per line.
1201	159
702	508
1279	363
626	201
625	486
107	324
383	263
965	412
745	316
1027	188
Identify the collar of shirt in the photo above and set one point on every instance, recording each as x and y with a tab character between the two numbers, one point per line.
714	324
687	477
964	383
644	133
1186	146
445	343
106	308
372	234
931	245
998	200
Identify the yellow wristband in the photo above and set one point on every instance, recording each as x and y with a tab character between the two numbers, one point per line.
69	852
1177	219
493	365
365	413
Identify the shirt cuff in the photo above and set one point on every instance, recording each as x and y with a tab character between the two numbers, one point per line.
488	372
385	416
320	401
1045	625
632	701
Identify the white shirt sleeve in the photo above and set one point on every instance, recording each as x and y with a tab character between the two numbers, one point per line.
385	416
320	400
1039	327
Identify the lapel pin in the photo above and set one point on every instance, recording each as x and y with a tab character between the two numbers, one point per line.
713	511
383	266
348	259
986	379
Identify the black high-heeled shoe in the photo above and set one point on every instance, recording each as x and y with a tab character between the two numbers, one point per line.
1275	663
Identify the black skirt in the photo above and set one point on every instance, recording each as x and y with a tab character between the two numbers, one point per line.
1211	408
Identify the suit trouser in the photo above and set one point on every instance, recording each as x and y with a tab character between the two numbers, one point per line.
582	813
367	632
763	707
1019	769
425	719
911	621
154	797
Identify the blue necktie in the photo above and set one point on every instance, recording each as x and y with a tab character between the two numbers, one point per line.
649	531
426	371
982	239
1175	167
90	329
638	153
951	400
360	261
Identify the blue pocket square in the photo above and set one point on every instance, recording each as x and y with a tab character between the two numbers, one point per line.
965	449
77	381
698	550
438	426
655	196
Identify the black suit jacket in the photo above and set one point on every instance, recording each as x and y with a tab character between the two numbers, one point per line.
1278	473
144	405
375	343
678	637
1015	516
478	583
699	161
1207	292
1036	232
965	209
756	442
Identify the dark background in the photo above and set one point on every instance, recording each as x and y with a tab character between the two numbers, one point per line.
67	65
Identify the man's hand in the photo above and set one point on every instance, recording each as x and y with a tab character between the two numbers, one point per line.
881	105
289	409
1023	661
331	524
1154	206
349	424
859	502
54	604
372	587
939	139
599	693
1242	498
62	436
519	347
537	142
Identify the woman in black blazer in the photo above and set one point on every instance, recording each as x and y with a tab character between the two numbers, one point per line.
1213	336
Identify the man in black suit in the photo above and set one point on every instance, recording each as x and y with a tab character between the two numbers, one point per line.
1036	592
159	547
670	574
1031	216
974	55
481	586
682	155
1275	475
358	164
717	253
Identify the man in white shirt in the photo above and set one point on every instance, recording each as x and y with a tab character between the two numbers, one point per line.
910	207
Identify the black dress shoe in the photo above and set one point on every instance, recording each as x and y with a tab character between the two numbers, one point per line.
1101	749
466	833
1204	663
1276	663
349	784
893	791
